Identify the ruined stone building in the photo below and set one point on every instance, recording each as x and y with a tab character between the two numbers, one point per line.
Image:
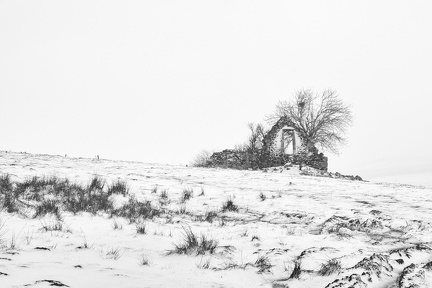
282	144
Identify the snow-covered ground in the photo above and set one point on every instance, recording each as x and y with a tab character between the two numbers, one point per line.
423	179
289	231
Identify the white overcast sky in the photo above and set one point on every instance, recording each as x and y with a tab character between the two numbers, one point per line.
158	81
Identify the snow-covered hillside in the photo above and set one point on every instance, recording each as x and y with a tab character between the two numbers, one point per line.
287	231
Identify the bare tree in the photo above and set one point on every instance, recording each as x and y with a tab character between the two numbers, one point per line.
255	143
256	137
202	159
321	119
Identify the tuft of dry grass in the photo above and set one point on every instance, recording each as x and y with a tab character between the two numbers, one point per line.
194	244
116	225
141	228
332	266
119	187
135	209
295	274
229	206
187	194
143	260
54	226
48	206
263	263
114	253
210	215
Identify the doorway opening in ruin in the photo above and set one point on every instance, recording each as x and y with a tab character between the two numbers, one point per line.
288	141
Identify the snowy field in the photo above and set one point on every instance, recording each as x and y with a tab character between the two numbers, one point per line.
253	229
423	179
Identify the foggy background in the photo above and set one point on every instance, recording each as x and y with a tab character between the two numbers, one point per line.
159	81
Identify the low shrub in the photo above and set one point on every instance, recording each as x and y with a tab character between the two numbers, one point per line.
202	159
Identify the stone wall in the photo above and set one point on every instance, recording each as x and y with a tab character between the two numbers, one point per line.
230	159
243	160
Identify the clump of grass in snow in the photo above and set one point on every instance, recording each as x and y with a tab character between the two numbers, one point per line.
187	193
204	264
262	196
154	189
7	195
255	237
141	228
6	184
210	215
93	198
135	209
2	232
229	206
13	243
114	253
202	191
143	260
332	266
182	209
263	264
119	187
295	274
116	225
96	183
70	196
48	206
31	187
90	200
10	202
54	226
163	197
194	244
28	237
85	245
